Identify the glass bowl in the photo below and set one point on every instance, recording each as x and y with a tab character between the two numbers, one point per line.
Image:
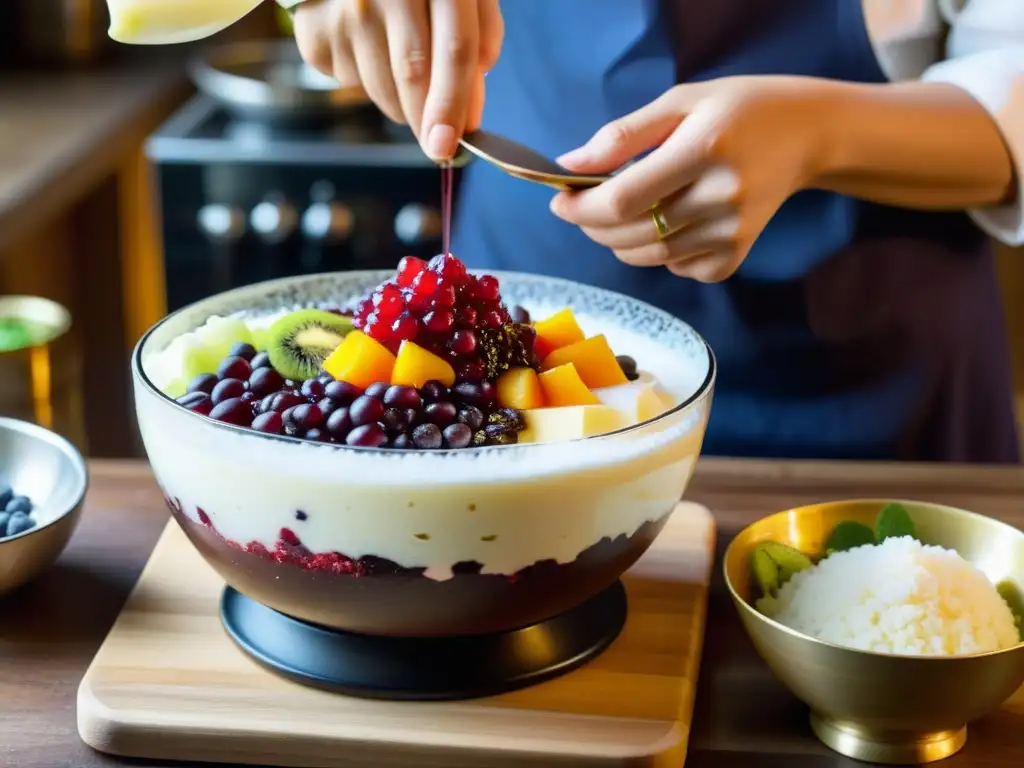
428	543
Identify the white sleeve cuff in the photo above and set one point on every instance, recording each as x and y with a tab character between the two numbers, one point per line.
289	4
995	78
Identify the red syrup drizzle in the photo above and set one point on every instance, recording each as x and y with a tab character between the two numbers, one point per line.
447	183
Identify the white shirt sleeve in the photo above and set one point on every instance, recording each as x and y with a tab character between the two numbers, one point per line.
989	65
289	4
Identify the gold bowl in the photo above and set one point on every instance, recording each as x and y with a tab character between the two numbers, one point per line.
876	707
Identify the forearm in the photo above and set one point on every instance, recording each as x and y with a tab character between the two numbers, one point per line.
915	145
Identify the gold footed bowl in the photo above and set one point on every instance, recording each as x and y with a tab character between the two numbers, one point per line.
879	708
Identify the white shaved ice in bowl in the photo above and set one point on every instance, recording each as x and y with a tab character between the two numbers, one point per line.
899	597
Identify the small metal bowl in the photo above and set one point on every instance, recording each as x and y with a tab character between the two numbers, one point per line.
49	470
873	707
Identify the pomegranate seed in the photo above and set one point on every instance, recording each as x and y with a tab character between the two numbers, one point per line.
197	402
487	289
491	319
462	342
406	327
389	302
378	330
234	368
403	442
403	397
398	420
342	392
234	411
378	389
227	389
204	382
366	410
445	296
243	350
367	436
262	360
271	423
317	435
425	283
466	317
439	321
265	381
408	269
449	267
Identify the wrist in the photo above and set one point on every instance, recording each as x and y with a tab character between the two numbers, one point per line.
834	117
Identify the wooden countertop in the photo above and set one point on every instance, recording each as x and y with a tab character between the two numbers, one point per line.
50	630
61	132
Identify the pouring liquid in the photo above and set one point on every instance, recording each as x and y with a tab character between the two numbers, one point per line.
447	182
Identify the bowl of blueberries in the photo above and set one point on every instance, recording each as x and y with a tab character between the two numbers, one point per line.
43	480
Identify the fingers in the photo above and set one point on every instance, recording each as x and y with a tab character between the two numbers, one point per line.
313	34
706	236
455	53
492	33
623	139
407	23
369	41
713	195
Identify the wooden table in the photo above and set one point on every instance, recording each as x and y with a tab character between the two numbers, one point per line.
50	630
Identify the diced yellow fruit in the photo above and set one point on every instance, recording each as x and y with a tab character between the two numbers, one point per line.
520	388
416	366
563	386
559	330
594	360
360	360
638	400
549	425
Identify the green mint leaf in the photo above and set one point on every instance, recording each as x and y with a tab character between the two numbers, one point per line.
894	521
847	535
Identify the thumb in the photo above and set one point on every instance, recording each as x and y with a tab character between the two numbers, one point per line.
621	140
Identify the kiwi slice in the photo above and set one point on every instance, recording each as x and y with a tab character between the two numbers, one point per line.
789	559
299	342
766	571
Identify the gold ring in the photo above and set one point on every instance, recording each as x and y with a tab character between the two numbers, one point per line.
660	224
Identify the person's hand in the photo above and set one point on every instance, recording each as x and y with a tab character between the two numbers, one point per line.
729	153
421	61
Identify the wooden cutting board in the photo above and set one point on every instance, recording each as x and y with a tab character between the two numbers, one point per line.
168	684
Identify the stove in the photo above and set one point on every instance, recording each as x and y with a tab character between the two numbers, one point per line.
244	201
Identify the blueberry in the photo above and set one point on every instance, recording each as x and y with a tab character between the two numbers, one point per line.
4	517
6	494
19	504
19	523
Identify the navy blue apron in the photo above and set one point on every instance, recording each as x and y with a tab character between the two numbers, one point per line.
851	331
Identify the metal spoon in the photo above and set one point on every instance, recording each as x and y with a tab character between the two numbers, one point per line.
524	163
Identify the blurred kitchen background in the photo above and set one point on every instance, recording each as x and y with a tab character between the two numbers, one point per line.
134	181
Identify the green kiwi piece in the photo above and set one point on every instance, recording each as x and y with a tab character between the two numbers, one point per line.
1014	598
789	559
766	572
299	342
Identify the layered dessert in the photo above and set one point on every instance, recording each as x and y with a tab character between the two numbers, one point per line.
424	455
